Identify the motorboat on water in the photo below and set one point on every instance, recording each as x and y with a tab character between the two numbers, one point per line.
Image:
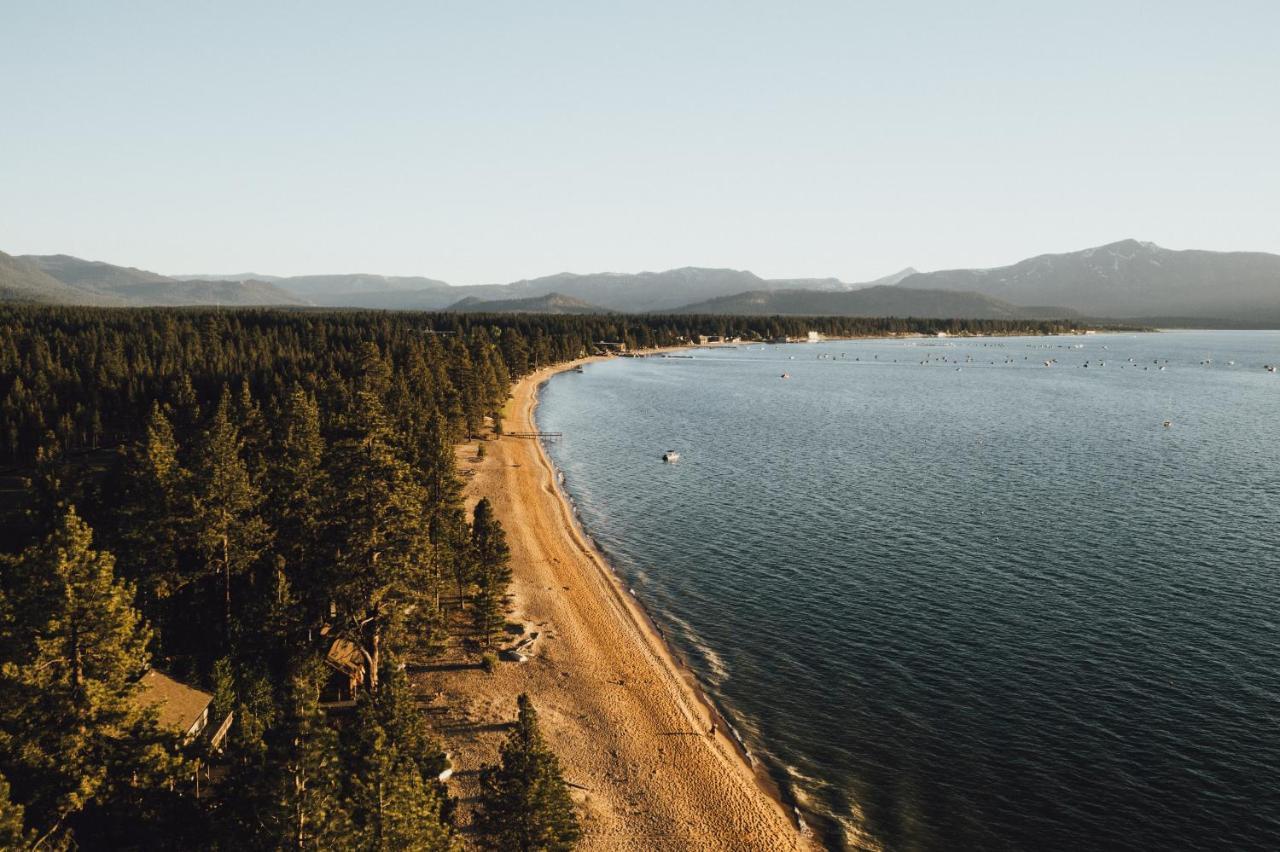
670	456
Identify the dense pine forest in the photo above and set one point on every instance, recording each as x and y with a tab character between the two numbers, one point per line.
262	506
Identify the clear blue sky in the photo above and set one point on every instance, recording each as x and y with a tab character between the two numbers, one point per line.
486	141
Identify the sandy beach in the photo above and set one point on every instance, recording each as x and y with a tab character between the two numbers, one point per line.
627	722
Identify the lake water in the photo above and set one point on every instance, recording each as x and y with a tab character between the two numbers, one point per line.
956	599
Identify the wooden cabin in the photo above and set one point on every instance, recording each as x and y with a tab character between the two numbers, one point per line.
180	708
345	658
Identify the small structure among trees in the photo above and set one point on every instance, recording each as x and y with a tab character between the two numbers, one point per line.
345	658
180	708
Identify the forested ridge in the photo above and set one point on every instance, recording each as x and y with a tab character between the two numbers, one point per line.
230	496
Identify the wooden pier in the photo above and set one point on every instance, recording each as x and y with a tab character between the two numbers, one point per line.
552	435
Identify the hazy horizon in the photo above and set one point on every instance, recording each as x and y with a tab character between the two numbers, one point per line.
248	273
485	145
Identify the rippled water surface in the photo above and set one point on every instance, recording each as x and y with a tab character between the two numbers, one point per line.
998	607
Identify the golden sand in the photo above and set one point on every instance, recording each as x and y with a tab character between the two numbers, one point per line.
628	723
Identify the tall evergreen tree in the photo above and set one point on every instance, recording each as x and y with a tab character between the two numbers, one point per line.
392	763
228	530
524	801
490	558
254	435
292	797
446	519
13	834
382	545
469	383
153	513
297	495
70	726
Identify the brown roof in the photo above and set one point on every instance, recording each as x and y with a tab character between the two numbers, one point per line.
180	706
346	658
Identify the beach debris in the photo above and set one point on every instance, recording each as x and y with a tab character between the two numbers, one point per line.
521	651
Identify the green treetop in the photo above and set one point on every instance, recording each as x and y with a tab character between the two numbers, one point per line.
491	572
382	547
524	801
70	726
228	530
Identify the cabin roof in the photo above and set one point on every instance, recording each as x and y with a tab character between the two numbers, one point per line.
180	707
346	657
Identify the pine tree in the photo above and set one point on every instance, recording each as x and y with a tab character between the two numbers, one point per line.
515	352
245	692
12	833
382	545
70	728
309	799
254	436
185	403
229	532
491	572
467	380
524	801
292	797
297	497
392	762
152	514
446	519
45	488
407	810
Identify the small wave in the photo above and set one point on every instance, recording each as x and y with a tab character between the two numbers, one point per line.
716	668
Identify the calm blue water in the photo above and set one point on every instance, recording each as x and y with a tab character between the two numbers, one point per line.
1000	607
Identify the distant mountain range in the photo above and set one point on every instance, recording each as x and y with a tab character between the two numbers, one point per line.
1130	279
879	301
552	303
65	280
23	281
1123	280
337	290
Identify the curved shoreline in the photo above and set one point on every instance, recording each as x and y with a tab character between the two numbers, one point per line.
645	621
628	720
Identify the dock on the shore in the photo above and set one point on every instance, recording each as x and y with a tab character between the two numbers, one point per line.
551	435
